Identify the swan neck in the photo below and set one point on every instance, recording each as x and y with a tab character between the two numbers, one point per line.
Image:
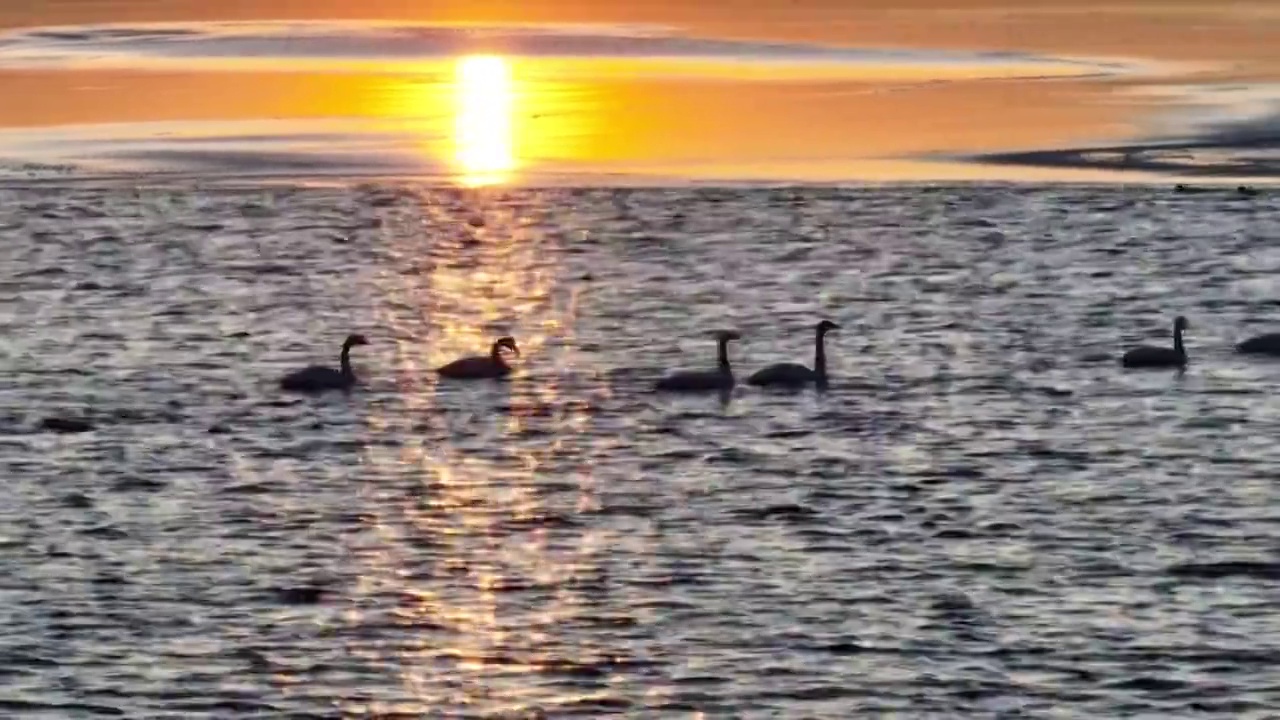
1177	342
495	354
722	355
820	355
345	360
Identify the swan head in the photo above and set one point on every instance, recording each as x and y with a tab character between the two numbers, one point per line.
507	342
355	339
1180	323
827	326
724	336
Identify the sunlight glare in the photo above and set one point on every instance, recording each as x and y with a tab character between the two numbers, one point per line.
483	130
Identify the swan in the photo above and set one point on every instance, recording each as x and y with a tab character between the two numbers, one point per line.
1146	356
1268	344
795	375
704	380
318	378
479	367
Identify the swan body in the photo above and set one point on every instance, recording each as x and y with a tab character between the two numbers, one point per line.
1147	356
696	381
795	375
318	378
1268	344
783	375
480	367
692	381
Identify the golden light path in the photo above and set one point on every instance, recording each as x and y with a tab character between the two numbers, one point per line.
480	586
483	122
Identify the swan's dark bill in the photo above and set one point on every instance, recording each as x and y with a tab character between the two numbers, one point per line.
1268	344
318	378
1147	356
795	375
698	381
481	367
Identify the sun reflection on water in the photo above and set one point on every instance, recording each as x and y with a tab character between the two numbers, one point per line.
476	519
484	120
487	121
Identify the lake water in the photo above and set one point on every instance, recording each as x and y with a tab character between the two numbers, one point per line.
983	517
802	90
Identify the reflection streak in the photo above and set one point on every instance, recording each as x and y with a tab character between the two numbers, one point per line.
483	127
481	542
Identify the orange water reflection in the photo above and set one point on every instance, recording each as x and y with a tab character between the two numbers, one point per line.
478	546
565	124
484	117
673	116
492	119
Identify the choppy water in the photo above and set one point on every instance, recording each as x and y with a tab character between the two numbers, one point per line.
984	517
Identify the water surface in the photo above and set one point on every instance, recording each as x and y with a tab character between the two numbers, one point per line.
984	517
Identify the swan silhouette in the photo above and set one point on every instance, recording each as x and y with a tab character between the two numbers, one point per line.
1147	356
318	378
480	367
721	378
1268	344
794	375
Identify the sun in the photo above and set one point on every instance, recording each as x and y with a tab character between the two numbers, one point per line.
483	123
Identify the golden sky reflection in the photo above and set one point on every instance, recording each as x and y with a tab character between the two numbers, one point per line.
533	122
485	584
683	117
483	119
1175	29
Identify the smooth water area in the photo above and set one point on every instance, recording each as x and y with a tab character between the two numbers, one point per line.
983	517
659	92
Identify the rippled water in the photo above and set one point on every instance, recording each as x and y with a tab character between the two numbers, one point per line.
984	517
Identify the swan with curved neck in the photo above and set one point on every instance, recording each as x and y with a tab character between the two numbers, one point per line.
1147	356
318	378
480	367
794	375
721	378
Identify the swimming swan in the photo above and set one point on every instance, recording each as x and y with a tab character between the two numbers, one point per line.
793	375
1268	344
479	367
704	380
1146	356
318	378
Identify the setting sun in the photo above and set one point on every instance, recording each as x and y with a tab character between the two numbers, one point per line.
483	130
